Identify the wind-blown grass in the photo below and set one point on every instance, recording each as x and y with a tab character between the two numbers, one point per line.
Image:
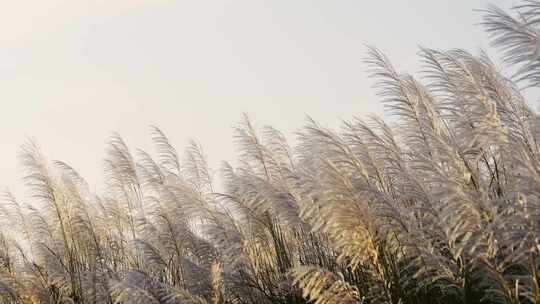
441	206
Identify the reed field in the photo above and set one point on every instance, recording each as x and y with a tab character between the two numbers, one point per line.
439	202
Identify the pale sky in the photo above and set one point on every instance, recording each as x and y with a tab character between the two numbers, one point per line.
74	71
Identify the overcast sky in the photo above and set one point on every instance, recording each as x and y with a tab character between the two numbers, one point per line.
73	71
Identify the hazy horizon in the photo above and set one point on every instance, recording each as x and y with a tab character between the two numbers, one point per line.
73	72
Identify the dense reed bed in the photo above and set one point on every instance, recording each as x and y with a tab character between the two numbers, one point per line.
439	206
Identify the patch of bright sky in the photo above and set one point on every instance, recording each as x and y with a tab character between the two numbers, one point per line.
72	72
